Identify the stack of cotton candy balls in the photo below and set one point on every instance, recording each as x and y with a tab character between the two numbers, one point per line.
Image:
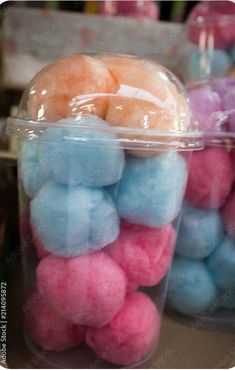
101	211
211	36
202	279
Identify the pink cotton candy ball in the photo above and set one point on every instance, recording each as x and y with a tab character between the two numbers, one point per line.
144	253
210	25
131	287
89	289
48	329
204	103
130	335
229	215
210	178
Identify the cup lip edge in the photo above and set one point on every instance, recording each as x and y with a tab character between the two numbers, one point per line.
14	121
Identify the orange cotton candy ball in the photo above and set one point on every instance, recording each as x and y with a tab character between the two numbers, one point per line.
146	99
63	89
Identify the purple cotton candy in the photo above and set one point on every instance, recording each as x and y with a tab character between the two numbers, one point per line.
206	106
229	106
222	84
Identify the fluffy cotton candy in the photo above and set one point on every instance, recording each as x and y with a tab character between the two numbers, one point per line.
132	333
95	158
144	253
73	220
191	288
201	231
222	264
64	89
89	289
210	178
214	26
32	175
147	99
151	190
48	329
221	85
218	63
204	103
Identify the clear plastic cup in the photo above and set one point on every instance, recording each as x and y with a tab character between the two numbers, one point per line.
103	157
205	47
202	279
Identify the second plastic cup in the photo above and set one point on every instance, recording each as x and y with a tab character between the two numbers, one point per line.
202	280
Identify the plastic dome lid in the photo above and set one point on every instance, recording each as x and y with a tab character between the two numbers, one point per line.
142	102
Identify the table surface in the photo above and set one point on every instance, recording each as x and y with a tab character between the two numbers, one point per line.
180	346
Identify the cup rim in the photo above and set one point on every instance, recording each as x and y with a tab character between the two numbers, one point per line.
28	129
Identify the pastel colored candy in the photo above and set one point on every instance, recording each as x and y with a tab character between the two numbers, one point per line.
222	264
89	290
66	88
131	287
221	85
73	220
95	158
191	288
48	329
217	63
212	21
229	215
204	103
229	106
32	175
201	231
210	178
147	99
144	253
151	190
220	62
132	333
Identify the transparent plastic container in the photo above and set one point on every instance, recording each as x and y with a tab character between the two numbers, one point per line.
103	158
205	47
202	280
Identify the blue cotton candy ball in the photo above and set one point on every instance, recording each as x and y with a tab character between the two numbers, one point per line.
97	159
201	231
32	175
191	289
151	190
202	64
73	220
222	264
220	62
